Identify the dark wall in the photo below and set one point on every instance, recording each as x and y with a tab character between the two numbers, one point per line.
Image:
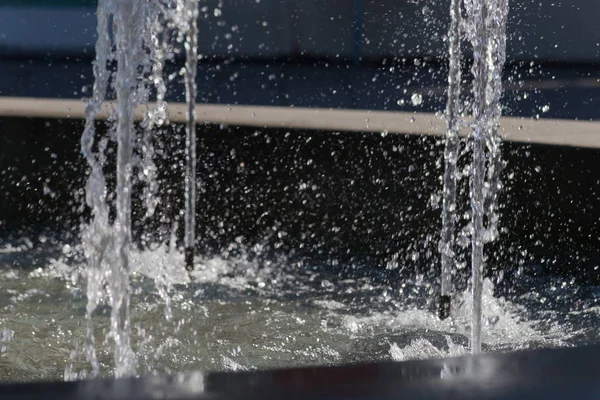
350	29
552	206
329	195
41	172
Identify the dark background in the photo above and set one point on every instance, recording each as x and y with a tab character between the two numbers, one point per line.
351	197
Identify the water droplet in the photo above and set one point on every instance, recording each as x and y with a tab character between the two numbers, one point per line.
416	99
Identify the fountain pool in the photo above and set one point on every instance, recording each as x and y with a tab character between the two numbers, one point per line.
242	314
279	279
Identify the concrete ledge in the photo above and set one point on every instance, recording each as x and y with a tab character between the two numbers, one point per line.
540	131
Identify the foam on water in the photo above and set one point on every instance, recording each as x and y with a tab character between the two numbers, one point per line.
421	349
232	365
504	327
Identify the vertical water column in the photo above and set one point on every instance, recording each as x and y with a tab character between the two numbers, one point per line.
126	36
453	110
96	236
486	30
107	245
191	65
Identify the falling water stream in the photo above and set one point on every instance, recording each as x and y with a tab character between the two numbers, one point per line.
96	237
485	28
191	65
130	34
486	24
108	245
453	110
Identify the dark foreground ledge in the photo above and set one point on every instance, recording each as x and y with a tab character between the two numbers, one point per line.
541	374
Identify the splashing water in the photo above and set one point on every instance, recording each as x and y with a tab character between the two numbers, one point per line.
138	44
422	349
286	318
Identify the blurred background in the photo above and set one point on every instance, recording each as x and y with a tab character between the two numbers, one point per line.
334	53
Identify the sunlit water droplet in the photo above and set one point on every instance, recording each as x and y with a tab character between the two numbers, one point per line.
416	99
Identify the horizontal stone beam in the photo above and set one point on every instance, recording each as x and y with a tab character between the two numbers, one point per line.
524	130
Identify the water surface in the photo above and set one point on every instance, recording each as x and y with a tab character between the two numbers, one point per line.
248	313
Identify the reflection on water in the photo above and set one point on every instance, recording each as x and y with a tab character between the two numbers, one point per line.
242	314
